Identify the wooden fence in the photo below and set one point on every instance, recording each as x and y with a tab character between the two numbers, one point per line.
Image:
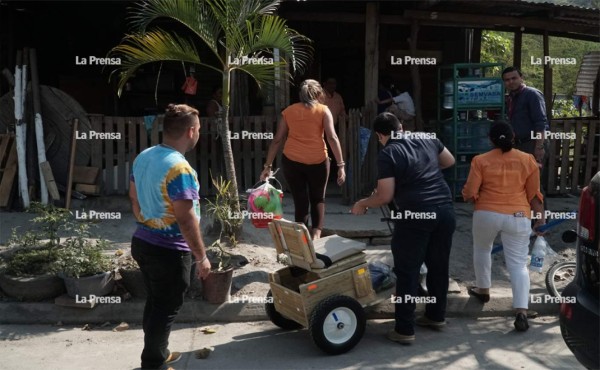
571	163
115	157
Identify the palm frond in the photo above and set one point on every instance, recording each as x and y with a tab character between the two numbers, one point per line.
263	74
272	32
195	15
138	49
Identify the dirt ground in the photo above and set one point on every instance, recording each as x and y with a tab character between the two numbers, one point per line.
256	257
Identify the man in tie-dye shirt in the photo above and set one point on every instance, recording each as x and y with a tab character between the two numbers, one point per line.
164	194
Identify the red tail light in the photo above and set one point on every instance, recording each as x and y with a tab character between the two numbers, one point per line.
566	310
586	226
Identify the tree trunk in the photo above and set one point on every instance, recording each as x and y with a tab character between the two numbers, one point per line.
223	127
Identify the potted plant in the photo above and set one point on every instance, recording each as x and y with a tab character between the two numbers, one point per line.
84	267
221	209
32	259
216	287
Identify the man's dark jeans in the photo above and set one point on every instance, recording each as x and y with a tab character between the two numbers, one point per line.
414	242
166	276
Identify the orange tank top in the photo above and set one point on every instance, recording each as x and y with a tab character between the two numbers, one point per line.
305	142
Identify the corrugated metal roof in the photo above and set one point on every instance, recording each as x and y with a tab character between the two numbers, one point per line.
587	74
550	3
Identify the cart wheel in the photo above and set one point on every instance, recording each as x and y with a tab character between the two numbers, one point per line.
276	318
337	324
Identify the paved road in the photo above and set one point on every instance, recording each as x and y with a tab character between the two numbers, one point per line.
466	343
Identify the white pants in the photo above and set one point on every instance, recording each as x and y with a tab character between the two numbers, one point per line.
514	232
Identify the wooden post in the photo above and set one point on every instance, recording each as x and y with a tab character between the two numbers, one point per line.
371	54
72	163
547	79
39	128
20	127
476	52
30	148
518	45
415	76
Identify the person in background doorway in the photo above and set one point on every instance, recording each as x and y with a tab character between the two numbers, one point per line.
526	109
384	92
333	101
403	107
213	107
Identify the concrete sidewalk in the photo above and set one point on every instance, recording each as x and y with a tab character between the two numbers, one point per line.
369	228
465	343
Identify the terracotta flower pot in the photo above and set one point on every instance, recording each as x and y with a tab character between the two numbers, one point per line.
216	288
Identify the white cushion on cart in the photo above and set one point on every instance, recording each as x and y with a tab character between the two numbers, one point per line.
337	248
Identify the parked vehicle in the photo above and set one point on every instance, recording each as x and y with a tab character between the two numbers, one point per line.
579	320
561	273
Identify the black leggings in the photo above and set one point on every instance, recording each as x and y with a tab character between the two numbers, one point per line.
299	177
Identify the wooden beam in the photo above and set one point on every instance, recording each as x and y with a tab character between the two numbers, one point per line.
72	163
38	124
325	17
48	178
518	48
415	76
476	52
487	21
547	79
371	53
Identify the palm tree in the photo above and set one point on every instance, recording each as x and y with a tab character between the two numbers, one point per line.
233	30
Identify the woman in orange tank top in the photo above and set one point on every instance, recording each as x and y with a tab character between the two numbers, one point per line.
305	162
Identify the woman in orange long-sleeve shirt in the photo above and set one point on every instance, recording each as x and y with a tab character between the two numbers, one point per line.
504	184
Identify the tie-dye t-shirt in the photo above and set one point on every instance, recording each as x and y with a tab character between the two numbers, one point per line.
162	175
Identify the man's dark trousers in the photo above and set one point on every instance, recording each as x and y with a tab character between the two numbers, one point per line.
166	276
414	242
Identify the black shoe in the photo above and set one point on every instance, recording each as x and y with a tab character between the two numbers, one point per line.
521	323
426	322
484	298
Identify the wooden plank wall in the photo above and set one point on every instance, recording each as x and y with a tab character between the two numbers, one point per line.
116	156
573	162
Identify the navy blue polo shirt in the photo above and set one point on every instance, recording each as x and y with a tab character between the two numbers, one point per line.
414	165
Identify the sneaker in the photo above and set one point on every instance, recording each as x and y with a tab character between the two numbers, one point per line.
424	321
173	358
394	336
521	323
